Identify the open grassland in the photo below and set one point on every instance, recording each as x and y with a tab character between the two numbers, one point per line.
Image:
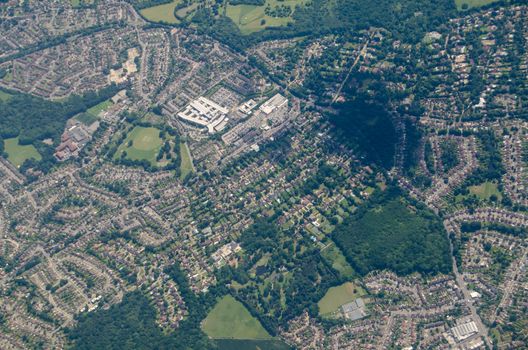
18	154
337	296
186	160
161	13
461	4
146	143
485	190
230	319
251	18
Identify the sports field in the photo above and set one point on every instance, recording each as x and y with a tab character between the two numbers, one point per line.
230	319
251	18
485	190
146	144
337	296
98	108
472	3
17	154
161	13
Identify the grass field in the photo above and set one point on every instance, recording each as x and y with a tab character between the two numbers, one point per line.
337	296
485	190
186	160
248	18
146	144
161	13
472	3
17	154
95	110
230	319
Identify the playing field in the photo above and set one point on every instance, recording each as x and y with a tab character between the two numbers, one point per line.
485	190
186	160
98	108
17	154
249	18
230	319
146	144
472	3
161	13
337	296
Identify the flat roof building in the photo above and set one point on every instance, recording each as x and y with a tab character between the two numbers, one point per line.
464	331
205	113
276	102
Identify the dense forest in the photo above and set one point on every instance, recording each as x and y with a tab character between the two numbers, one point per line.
127	325
407	19
391	233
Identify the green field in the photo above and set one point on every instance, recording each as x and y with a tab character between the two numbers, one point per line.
95	110
230	319
485	190
18	154
186	161
248	18
146	144
161	13
472	3
337	296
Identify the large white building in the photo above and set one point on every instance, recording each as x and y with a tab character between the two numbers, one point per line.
276	103
205	113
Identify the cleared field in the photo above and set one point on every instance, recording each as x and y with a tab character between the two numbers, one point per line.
161	13
186	160
229	319
485	190
146	144
337	296
467	4
95	110
18	154
251	18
